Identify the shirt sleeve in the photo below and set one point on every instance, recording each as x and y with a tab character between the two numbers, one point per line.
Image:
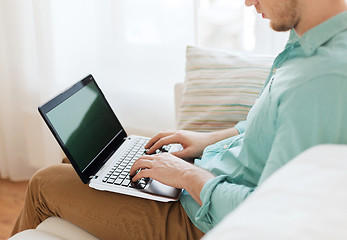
220	196
241	126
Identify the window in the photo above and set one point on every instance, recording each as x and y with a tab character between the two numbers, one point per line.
229	24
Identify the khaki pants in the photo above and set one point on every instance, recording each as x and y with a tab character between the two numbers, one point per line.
58	191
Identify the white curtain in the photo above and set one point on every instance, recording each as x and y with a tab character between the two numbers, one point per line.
25	70
135	49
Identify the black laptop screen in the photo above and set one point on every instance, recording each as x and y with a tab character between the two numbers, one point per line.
85	123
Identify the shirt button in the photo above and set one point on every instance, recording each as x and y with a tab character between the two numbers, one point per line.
225	146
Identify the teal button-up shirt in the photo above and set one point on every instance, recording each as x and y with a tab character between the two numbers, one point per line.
303	103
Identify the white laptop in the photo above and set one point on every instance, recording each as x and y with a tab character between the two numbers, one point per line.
97	145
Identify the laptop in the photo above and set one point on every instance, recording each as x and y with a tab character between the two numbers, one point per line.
99	149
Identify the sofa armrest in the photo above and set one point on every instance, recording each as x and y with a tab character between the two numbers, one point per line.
305	199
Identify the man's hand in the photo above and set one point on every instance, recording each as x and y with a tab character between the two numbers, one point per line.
193	143
173	171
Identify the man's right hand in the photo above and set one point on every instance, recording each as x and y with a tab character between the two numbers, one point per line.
193	143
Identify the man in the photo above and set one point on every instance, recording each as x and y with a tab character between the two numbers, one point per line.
303	103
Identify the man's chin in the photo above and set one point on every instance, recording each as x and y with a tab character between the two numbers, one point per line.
280	27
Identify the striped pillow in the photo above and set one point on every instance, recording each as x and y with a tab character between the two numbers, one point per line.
220	87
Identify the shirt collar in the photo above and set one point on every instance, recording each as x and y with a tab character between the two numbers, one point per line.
317	36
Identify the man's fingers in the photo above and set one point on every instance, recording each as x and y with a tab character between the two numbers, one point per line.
163	141
144	173
140	163
157	137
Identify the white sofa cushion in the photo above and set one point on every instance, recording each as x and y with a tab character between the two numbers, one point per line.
54	228
220	87
305	199
33	234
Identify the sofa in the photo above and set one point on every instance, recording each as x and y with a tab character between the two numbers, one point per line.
305	199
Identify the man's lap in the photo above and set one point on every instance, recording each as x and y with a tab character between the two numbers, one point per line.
59	191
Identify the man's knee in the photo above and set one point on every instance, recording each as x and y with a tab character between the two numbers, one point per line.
45	175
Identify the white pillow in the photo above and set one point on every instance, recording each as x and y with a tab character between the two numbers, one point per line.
305	199
220	87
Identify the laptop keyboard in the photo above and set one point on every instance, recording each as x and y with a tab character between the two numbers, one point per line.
119	173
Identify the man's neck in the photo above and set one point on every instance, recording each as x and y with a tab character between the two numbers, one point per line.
316	12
